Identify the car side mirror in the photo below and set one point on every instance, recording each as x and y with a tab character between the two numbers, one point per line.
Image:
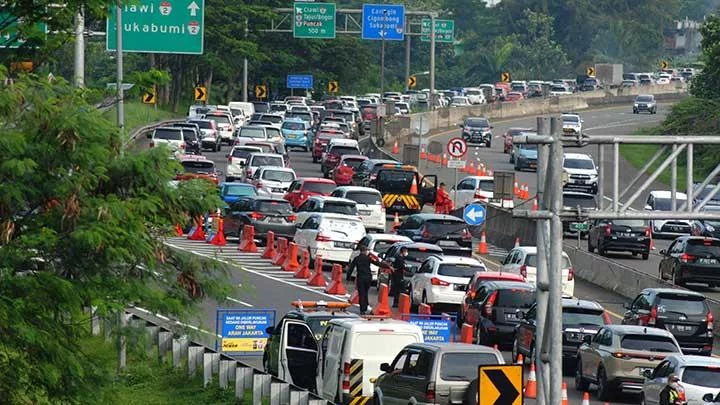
519	314
648	208
647	374
149	135
269	330
663	252
587	339
385	368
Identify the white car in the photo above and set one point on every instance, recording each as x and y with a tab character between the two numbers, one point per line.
474	95
257	160
320	203
225	124
560	90
378	243
699	376
523	260
572	124
273	181
250	133
442	280
582	172
369	203
274	134
477	189
172	137
661	200
331	236
236	160
460	101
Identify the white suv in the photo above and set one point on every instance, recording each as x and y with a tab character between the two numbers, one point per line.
661	200
523	260
442	280
236	160
369	205
582	172
572	123
331	236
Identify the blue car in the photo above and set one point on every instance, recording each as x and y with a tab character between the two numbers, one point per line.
296	133
231	192
525	157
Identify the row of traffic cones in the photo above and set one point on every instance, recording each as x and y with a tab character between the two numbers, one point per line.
530	390
521	191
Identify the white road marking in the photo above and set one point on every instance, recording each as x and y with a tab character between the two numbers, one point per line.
238	301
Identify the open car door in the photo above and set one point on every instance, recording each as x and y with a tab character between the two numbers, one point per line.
298	355
428	188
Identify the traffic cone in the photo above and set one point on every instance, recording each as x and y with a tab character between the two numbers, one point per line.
355	297
535	204
489	172
317	279
413	186
516	190
304	271
517	242
480	171
383	305
531	386
219	238
586	398
564	394
291	262
248	245
652	241
198	231
424	309
281	252
466	332
444	160
404	306
525	192
396	148
423	155
470	169
178	230
396	222
336	286
269	252
520	359
482	247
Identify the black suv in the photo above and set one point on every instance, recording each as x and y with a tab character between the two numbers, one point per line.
448	232
580	318
683	313
367	171
192	135
691	259
477	130
620	235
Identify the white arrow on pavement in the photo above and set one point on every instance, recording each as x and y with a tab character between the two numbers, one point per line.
473	215
193	7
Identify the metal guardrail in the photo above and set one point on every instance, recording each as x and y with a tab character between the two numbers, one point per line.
150	127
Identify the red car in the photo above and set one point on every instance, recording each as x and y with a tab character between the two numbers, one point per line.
344	171
301	189
514	96
479	278
322	139
508	137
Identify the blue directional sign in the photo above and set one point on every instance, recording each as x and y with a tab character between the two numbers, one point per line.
299	82
474	214
383	21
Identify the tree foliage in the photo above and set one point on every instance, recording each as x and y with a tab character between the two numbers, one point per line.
707	83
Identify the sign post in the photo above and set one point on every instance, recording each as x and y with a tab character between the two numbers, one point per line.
242	331
314	20
456	148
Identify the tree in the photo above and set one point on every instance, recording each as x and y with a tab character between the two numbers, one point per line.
538	54
707	83
82	224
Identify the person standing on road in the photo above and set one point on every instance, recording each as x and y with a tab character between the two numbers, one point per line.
670	395
361	263
443	203
398	275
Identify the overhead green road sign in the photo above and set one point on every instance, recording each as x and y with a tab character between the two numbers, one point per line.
444	30
314	20
159	26
11	37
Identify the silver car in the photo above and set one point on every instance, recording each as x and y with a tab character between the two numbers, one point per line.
434	373
699	376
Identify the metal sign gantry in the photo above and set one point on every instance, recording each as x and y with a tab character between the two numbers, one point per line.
551	142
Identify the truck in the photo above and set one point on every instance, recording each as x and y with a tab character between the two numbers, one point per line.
609	74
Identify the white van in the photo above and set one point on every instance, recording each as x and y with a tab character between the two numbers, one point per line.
248	109
351	351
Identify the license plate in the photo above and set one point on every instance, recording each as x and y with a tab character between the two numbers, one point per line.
460	287
275	220
707	261
580	182
446	243
675	229
291	136
364	212
681	328
347	245
627	234
277	190
510	316
533	165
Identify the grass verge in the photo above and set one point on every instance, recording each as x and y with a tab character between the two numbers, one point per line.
639	155
147	381
138	115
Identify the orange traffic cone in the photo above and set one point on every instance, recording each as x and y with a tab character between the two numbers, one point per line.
404	306
198	231
535	204
248	244
470	169
291	261
336	286
482	247
517	242
531	387
516	190
396	148
219	238
466	333
317	279
396	222
444	160
178	230
480	171
423	155
413	186
269	252
524	191
652	241
281	254
564	394
383	305
355	296
586	398
304	271
520	359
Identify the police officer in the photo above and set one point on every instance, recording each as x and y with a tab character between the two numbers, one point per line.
398	275
361	263
670	394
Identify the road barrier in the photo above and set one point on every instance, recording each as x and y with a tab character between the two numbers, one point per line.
317	279
247	244
291	259
424	309
383	305
269	252
336	286
404	304
304	270
466	333
279	258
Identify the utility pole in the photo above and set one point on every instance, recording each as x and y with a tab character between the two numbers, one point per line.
407	56
119	60
245	69
432	61
79	60
382	58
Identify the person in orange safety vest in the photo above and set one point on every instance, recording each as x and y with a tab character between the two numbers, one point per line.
443	202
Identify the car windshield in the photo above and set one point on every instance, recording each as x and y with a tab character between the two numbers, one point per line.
528	146
570	118
353	163
648	343
634	223
444	227
247	132
261	107
239	190
557	88
515	297
460	100
219	119
518	87
168	134
382	246
317	324
686	305
337	207
421	254
278	107
477	122
305	116
700	195
458	270
364	197
189	135
200	167
398	181
582	316
644	99
259	161
464	366
704	247
584	164
278	175
344	150
243	153
293	126
317	187
664	204
487	185
273	206
202	124
573	201
591	82
531	261
273	132
702	376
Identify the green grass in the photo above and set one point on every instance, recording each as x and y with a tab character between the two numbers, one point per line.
147	381
639	155
138	115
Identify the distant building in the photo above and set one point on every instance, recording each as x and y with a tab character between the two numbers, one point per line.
683	39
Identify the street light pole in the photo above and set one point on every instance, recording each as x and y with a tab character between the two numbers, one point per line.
407	56
382	55
245	70
79	49
119	60
432	61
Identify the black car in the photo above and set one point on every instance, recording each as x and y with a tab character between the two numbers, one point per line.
367	171
192	137
691	259
261	107
574	200
620	235
477	130
417	254
263	213
493	310
705	227
448	232
580	318
683	313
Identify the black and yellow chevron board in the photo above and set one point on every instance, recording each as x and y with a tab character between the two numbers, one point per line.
409	200
356	379
359	401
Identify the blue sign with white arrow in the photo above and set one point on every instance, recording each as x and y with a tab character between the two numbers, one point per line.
299	82
383	21
474	214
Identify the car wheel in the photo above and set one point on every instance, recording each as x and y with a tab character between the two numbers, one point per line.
601	250
580	383
489	145
604	391
515	350
645	255
591	248
471	394
305	148
413	306
676	278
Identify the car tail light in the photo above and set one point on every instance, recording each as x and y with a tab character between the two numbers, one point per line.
323	238
490	303
152	144
258	184
425	234
619	355
292	217
437	281
686	258
430	392
182	146
653	316
523	271
608	230
346	377
466	235
571	274
648	232
606	318
710	321
230	159
256	215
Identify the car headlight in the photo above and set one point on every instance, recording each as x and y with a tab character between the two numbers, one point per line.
710	228
636	104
